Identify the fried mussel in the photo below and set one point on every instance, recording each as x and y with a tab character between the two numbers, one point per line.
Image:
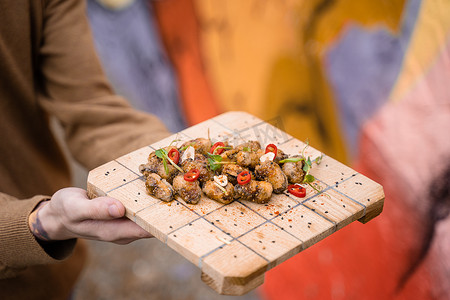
220	171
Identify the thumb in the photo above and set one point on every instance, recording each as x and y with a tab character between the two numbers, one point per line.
101	208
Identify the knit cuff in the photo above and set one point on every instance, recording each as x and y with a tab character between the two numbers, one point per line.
19	248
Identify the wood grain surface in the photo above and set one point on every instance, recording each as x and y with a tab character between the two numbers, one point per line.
235	244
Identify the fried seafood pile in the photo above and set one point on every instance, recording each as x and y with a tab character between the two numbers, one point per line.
222	172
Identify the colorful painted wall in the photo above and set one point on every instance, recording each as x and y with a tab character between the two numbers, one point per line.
367	82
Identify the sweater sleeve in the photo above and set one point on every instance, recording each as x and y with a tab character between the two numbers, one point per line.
99	126
16	236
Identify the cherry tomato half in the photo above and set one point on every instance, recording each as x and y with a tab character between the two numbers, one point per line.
192	175
174	155
272	148
244	177
297	190
218	151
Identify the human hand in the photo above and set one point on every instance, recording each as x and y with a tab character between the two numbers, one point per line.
71	214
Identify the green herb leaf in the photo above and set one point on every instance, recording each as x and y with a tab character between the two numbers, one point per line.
213	165
166	168
215	157
308	178
308	162
161	153
214	161
306	168
318	160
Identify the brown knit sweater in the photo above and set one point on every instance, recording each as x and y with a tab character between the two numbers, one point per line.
48	67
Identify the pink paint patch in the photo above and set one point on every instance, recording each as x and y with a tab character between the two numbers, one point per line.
403	147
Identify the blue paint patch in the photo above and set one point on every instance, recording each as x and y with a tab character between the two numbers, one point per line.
362	68
135	61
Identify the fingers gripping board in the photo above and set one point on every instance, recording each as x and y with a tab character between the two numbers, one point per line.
235	244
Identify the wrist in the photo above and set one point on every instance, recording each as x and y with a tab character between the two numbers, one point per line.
35	223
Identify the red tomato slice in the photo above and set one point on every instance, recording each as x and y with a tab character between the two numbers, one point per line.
297	190
244	177
174	155
192	175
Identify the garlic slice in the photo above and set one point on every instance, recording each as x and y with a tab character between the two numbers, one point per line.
221	180
188	153
267	156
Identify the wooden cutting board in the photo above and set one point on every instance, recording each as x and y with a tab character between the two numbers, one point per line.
235	244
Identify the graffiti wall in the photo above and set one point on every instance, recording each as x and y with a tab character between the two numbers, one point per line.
366	82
